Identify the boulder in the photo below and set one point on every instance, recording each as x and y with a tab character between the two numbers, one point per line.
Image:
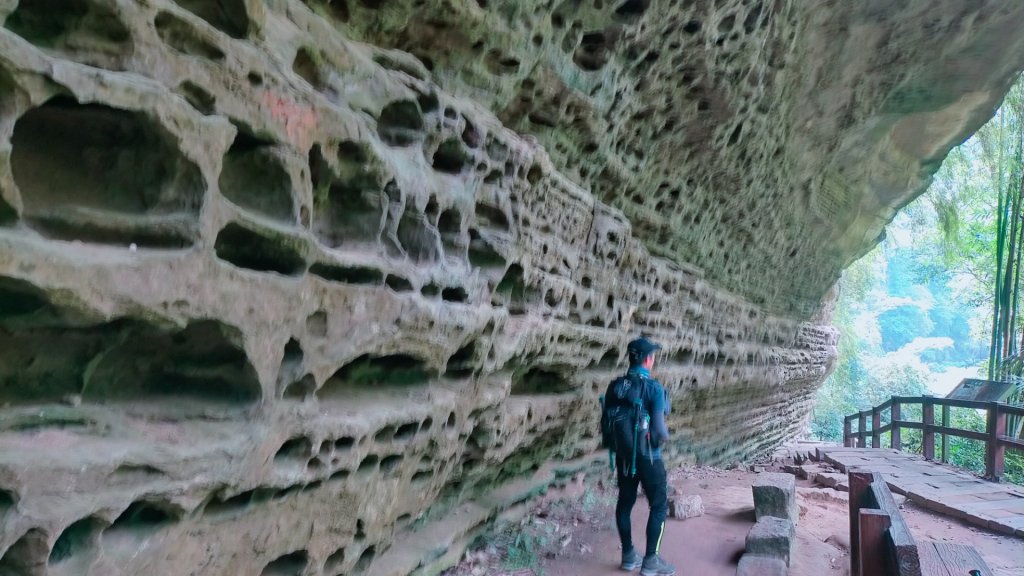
685	506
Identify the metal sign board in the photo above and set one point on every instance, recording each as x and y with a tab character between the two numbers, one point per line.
981	390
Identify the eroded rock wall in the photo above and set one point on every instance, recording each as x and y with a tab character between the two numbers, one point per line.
276	295
766	142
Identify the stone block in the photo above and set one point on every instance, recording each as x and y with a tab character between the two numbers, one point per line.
1000	525
824	495
775	495
833	480
685	506
772	537
756	565
794	470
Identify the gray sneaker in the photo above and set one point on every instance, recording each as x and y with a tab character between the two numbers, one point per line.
656	566
630	561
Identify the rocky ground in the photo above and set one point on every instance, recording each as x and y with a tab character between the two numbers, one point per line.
573	533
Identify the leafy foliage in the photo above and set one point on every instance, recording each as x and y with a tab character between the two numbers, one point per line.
939	290
901	325
857	383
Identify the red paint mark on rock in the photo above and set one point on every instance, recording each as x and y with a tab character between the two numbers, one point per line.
298	119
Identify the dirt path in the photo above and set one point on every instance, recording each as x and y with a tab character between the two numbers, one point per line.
708	545
582	540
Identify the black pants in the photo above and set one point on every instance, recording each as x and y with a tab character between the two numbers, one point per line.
650	475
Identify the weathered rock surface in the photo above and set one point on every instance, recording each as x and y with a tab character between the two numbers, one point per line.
775	495
276	294
755	565
772	537
683	506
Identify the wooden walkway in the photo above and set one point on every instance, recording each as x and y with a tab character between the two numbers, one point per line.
942	488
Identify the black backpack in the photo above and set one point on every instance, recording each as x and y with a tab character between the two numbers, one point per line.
625	422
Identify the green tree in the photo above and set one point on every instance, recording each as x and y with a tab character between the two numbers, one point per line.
854	384
950	267
839	394
901	325
970	222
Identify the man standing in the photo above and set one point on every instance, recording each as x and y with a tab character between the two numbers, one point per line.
639	454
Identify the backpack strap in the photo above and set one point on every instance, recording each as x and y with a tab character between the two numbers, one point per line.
640	409
643	387
642	401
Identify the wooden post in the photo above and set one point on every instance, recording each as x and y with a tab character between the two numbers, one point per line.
902	554
945	437
860	489
928	434
995	453
876	423
862	424
847	433
872	542
895	442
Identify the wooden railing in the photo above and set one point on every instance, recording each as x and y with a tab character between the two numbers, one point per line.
881	543
995	438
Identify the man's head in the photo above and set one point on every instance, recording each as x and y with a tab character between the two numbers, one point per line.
641	352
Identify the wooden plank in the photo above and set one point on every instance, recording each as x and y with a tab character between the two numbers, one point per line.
1015	410
881	496
1012	442
876	423
960	559
860	482
908	562
907	399
896	440
872	541
961	403
945	436
903	545
862	419
931	563
928	437
910	424
995	451
961	433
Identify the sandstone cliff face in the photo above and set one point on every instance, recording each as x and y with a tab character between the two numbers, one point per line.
285	283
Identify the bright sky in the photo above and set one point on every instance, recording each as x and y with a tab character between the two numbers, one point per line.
940	383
